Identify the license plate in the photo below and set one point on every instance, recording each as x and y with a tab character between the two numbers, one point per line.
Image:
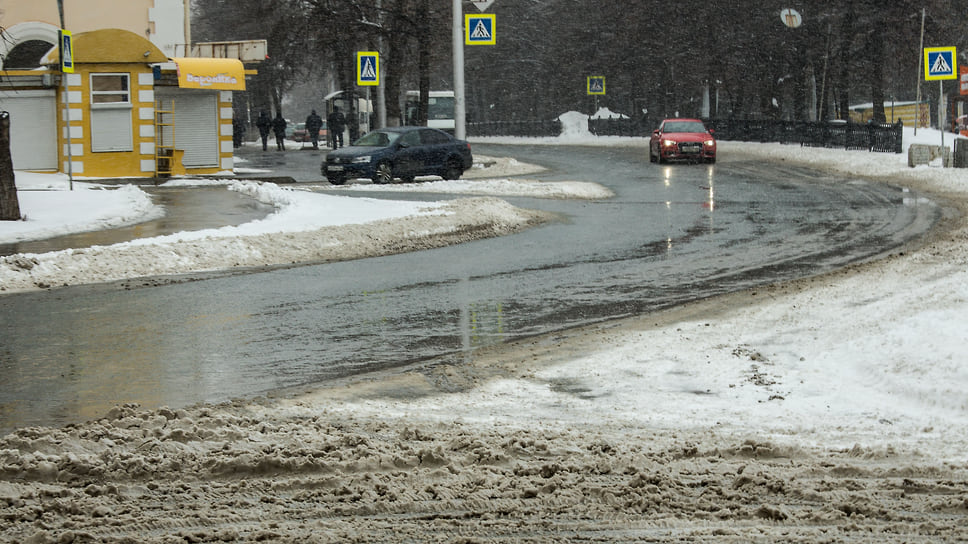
334	168
691	148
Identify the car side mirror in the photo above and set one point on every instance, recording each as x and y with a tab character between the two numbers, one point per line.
403	145
656	132
712	131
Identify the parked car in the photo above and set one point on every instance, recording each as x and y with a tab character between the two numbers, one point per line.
399	152
682	139
300	134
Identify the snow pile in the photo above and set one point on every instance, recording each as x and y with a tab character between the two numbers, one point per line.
49	209
308	227
605	113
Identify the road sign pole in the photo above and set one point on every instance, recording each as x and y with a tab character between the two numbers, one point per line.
460	128
942	110
67	99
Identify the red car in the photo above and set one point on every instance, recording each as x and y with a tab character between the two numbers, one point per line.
302	135
682	139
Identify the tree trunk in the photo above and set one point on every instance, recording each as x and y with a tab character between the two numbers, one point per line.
9	205
843	76
875	55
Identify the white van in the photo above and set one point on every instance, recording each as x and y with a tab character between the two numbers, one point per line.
440	109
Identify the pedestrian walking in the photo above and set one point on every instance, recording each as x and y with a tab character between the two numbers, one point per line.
313	123
279	128
337	124
265	124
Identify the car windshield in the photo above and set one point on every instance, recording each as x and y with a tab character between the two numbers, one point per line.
685	126
377	138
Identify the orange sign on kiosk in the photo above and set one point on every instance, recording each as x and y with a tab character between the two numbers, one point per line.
210	73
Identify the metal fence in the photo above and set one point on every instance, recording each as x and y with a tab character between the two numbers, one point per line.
515	128
885	138
619	126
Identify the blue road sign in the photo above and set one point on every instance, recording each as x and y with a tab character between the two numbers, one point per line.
66	52
596	85
940	63
479	29
367	68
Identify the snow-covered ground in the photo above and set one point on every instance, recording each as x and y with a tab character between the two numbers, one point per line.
828	409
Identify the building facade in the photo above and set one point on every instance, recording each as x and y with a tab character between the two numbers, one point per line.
130	108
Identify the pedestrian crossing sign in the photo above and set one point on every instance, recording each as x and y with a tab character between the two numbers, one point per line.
940	63
596	85
367	68
66	52
479	29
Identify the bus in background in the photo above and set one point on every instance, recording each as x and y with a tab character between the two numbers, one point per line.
440	109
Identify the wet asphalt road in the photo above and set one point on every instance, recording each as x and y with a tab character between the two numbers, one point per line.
672	234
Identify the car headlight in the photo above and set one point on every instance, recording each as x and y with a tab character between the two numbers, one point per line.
361	160
710	143
668	143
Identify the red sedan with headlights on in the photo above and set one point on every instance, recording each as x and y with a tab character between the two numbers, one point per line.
682	139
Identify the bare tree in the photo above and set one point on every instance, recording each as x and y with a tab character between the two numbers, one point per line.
9	205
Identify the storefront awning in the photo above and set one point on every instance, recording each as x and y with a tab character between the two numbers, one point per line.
209	73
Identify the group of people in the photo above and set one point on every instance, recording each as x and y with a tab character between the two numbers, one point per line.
277	125
336	122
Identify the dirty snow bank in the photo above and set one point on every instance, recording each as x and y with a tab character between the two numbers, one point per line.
305	227
309	228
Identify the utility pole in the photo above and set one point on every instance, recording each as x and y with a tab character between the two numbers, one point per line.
381	96
917	106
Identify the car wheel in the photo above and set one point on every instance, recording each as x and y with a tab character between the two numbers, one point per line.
407	179
660	158
651	156
383	173
454	170
336	180
711	160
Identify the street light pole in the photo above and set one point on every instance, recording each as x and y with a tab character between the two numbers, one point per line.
460	131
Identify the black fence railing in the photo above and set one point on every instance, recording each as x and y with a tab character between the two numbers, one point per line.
620	126
515	128
885	138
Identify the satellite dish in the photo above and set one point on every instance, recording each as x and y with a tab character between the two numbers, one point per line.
791	18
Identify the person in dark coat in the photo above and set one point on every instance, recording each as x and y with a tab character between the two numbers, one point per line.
337	124
313	123
238	132
264	122
279	127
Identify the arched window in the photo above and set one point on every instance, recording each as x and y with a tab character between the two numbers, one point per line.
26	55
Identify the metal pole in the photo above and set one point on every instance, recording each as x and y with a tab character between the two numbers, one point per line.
67	104
917	106
460	124
942	110
188	27
381	97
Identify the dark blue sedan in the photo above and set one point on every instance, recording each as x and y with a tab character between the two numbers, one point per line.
399	152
